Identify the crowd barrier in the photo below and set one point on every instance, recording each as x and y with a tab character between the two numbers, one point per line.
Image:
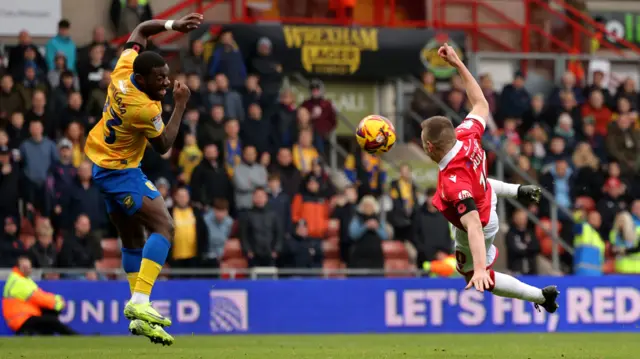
306	306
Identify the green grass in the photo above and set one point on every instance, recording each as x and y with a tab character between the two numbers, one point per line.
502	346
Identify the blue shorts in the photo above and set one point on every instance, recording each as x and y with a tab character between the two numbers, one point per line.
124	189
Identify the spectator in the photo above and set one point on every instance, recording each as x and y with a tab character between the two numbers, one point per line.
522	246
403	193
30	84
421	102
211	129
559	182
9	184
98	38
588	180
628	90
54	75
510	132
232	146
17	131
17	54
11	100
43	253
486	83
229	99
164	188
557	151
85	197
533	116
344	211
597	110
284	116
248	176
80	248
95	104
192	61
61	93
61	43
38	153
514	99
75	135
303	122
158	166
260	232
564	130
366	171
251	93
218	224
455	101
209	181
623	144
289	174
524	164
624	240
567	84
256	131
610	204
189	232
73	113
189	125
323	114
280	203
624	108
189	157
269	70
61	180
304	154
309	205
306	251
38	111
91	72
598	84
125	15
597	142
228	61
11	247
367	233
318	170
197	99
431	233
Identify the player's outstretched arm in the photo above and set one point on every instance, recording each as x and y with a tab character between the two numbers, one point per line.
152	27
163	143
474	92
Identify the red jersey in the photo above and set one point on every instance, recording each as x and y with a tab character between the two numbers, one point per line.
463	174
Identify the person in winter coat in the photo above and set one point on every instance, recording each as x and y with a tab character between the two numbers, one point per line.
323	114
260	232
11	100
209	180
431	234
85	198
251	93
38	153
309	205
62	42
289	175
515	99
193	60
9	184
284	116
248	176
403	192
80	248
522	246
256	131
367	233
11	247
344	211
280	202
43	254
228	98
228	60
623	144
269	69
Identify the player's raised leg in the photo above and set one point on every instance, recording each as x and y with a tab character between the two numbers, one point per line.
507	286
153	215
133	239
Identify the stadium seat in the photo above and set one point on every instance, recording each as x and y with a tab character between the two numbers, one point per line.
232	249
110	247
585	202
331	250
329	265
394	250
397	264
334	228
235	263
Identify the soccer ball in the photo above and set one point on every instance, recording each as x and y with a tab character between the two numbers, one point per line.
375	134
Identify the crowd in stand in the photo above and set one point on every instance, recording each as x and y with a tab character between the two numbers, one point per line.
580	143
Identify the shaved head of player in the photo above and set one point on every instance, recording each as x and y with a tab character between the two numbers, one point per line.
468	199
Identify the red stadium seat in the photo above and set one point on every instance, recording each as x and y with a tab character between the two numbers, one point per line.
108	263
232	249
330	266
334	228
397	264
331	250
394	250
110	247
236	263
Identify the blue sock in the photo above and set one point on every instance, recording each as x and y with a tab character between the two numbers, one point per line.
154	254
131	259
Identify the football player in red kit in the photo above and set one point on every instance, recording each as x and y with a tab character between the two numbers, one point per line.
467	198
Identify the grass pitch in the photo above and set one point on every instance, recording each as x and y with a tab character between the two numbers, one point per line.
499	346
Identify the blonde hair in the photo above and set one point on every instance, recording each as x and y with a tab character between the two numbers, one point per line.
369	200
584	157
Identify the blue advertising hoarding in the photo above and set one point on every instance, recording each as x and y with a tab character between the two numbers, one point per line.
587	304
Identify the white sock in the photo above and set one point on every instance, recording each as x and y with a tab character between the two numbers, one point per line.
509	287
503	189
139	298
